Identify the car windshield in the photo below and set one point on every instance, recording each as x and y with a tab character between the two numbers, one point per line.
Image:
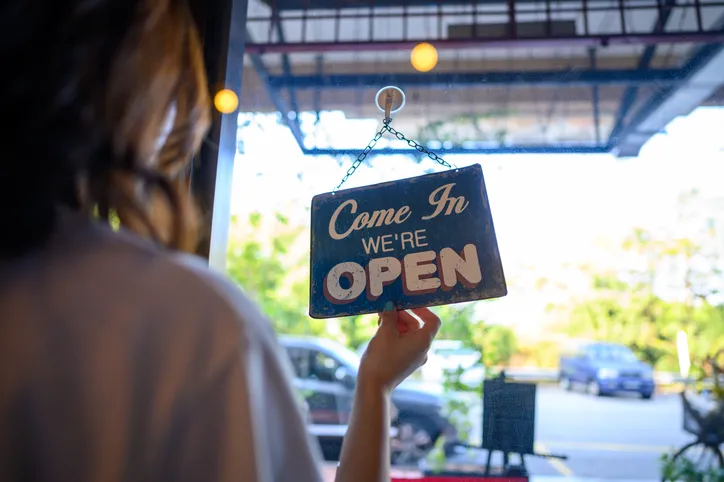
347	357
613	353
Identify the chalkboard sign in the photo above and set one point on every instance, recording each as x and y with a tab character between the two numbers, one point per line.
509	416
423	241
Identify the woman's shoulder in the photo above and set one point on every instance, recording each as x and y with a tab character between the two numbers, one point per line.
181	286
215	287
194	306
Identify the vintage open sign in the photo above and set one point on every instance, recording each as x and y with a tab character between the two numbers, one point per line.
423	241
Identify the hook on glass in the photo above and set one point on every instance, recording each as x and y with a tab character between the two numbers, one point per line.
392	103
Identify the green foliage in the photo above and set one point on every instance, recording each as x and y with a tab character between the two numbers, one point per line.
648	325
544	354
451	382
358	329
275	278
457	411
499	344
436	458
458	323
625	306
684	470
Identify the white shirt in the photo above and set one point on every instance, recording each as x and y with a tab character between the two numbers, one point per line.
120	362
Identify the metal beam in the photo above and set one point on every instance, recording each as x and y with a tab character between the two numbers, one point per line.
317	101
598	40
287	68
279	103
539	149
629	96
221	24
703	77
292	7
507	79
595	98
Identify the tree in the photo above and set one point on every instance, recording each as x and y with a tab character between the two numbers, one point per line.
358	329
458	323
685	263
629	306
499	344
262	262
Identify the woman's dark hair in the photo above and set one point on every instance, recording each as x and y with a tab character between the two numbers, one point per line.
88	89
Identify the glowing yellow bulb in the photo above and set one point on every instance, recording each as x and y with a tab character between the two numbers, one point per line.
226	101
424	57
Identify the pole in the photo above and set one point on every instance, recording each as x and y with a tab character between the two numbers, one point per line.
222	24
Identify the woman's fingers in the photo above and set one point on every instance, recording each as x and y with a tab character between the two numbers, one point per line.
430	321
406	323
389	319
403	321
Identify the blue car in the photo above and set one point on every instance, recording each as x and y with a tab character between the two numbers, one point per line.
606	369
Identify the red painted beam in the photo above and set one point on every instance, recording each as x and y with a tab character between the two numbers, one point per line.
577	41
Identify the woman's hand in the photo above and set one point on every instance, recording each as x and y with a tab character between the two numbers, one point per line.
398	348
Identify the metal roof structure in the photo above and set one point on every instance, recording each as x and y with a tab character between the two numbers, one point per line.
545	76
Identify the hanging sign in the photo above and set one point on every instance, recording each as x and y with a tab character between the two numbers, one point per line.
417	242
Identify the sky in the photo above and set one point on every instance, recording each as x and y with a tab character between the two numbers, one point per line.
549	211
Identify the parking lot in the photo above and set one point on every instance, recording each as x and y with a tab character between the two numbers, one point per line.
605	438
609	438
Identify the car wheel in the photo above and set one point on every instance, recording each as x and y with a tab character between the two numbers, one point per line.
647	396
593	388
566	384
414	440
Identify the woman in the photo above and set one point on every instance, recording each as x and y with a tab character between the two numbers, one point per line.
123	360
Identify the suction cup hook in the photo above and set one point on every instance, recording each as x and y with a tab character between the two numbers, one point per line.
392	102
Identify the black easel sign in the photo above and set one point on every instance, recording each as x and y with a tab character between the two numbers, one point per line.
423	241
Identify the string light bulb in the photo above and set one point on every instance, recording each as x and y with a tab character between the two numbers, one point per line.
226	101
424	57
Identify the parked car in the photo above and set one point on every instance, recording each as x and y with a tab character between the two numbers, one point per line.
446	357
606	369
452	355
326	373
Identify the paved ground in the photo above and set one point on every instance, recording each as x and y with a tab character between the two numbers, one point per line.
605	438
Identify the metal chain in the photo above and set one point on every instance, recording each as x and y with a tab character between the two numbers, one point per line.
388	128
362	156
419	147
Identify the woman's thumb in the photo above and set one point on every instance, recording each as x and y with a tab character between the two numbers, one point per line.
388	318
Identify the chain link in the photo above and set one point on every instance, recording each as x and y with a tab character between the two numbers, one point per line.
419	147
388	128
362	156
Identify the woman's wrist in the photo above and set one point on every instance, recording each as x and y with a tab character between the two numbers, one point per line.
370	387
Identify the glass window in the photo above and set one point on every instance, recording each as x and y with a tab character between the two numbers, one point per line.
598	128
324	367
300	361
613	353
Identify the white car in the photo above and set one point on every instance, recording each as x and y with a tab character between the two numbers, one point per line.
453	355
447	356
